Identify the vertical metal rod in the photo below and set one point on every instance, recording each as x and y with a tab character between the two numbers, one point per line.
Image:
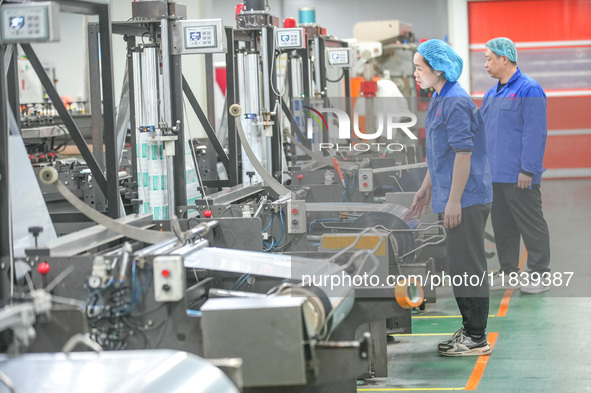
348	104
306	72
234	175
294	86
296	77
268	58
106	56
176	105
210	78
132	71
275	145
150	86
96	108
166	71
6	252
172	181
267	55
318	62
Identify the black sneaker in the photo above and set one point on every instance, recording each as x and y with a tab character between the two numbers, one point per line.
462	345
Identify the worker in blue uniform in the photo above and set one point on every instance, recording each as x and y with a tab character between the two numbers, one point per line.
514	112
458	184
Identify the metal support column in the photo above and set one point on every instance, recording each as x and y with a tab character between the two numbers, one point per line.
210	78
112	164
176	102
6	221
307	80
96	108
234	174
276	145
131	78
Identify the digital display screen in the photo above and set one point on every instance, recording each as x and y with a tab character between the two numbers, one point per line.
17	22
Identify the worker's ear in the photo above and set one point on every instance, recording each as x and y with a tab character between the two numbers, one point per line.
505	59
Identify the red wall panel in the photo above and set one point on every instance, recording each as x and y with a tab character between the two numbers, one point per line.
569	113
568	151
530	20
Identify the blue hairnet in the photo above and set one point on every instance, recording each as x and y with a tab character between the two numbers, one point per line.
442	58
503	47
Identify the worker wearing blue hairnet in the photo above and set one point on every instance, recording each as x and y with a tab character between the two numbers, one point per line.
514	111
458	185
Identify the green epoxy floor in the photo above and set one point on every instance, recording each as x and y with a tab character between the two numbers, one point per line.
543	342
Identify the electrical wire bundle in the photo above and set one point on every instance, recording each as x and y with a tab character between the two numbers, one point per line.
400	230
112	316
349	187
274	245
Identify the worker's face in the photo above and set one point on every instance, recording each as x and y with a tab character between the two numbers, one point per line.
495	64
424	75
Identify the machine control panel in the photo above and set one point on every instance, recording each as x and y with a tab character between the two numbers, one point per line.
169	278
365	180
340	57
29	22
296	217
198	36
292	38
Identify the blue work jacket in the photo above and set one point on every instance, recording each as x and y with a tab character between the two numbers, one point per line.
454	123
516	129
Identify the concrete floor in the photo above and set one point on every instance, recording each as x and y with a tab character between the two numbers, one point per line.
541	342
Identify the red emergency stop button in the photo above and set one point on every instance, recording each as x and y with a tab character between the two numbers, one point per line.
300	176
43	268
165	273
364	184
294	211
207	214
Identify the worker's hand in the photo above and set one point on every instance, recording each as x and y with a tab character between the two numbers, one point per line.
524	181
453	214
421	201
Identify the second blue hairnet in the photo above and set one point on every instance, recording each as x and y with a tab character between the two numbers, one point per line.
503	47
442	57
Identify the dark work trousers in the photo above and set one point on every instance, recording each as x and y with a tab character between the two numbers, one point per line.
465	252
517	213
